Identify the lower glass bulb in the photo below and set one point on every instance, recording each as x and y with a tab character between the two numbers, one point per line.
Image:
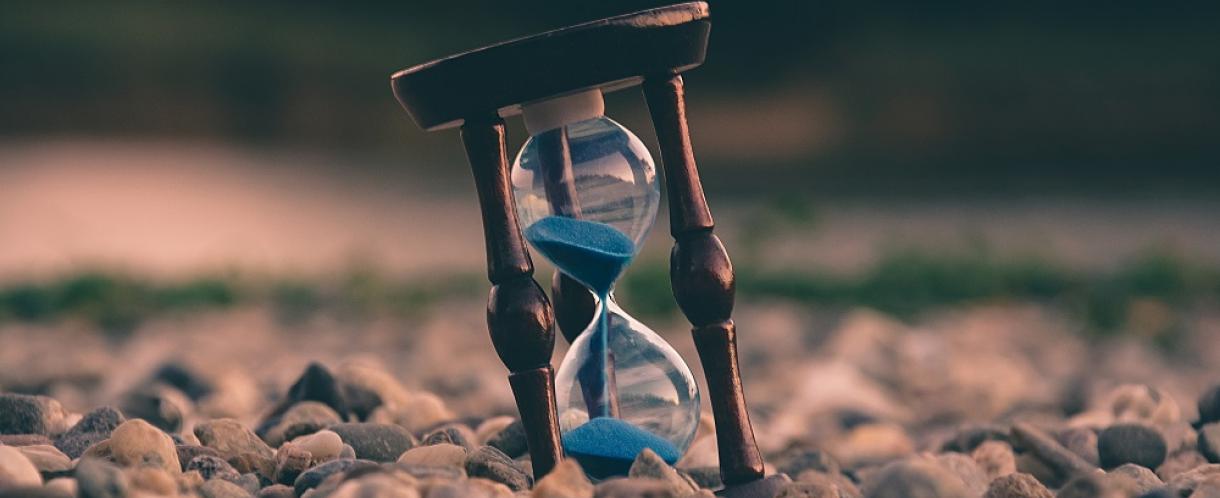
621	389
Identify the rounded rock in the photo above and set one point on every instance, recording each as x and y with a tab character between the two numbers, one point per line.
137	442
323	445
437	455
26	414
566	480
1130	443
313	477
17	470
376	442
493	464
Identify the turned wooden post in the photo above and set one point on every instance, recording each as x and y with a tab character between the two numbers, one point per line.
702	279
519	315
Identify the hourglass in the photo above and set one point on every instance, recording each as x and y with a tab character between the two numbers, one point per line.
583	192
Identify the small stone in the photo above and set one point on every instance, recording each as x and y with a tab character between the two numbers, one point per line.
996	458
315	384
421	411
965	468
872	444
93	427
510	440
1209	441
276	491
152	479
493	464
211	467
1082	441
648	465
380	485
46	458
190	480
1144	478
220	488
323	445
914	478
1059	461
180	377
136	443
1209	405
347	452
99	479
65	486
186	453
437	455
313	477
23	439
240	447
566	480
290	462
798	459
25	414
1130	443
376	442
1017	485
305	417
426	472
250	482
159	405
1178	463
16	469
632	488
458	434
1185	483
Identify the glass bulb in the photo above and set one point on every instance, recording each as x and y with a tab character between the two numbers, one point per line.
623	390
612	178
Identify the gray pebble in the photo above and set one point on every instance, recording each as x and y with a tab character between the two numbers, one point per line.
212	467
431	471
1082	441
99	479
511	440
158	404
376	442
1209	441
312	477
456	434
1144	478
490	463
1130	443
1209	405
25	414
93	427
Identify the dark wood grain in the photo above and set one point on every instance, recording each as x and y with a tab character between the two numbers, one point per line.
703	283
519	316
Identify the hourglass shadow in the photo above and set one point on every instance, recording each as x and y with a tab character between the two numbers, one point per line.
595	254
607	447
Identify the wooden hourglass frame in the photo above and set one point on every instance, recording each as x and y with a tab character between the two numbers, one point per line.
476	90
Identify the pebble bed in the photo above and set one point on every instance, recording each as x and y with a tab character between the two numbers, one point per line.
995	402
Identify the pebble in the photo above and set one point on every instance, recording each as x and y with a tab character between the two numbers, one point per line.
376	442
26	414
381	485
632	488
158	404
64	486
151	479
1059	460
458	434
347	452
470	488
290	462
46	458
1017	485
566	480
315	384
137	442
99	479
421	411
995	458
1144	478
313	477
323	445
305	417
437	455
238	445
212	467
1179	462
511	440
965	468
276	491
1209	441
1082	441
648	465
1209	406
16	469
915	478
798	459
1097	486
93	427
220	488
490	463
1130	443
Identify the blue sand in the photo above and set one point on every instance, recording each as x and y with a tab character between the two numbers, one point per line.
607	446
593	253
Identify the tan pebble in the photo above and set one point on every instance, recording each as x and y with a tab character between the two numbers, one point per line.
566	480
437	455
136	442
64	485
16	469
323	445
46	458
153	480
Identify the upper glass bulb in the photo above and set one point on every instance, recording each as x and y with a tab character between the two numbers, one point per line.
601	173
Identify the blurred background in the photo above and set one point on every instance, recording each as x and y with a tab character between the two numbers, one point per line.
208	169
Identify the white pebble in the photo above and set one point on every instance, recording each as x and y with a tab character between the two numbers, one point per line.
323	445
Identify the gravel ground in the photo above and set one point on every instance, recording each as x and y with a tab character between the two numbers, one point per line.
998	401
